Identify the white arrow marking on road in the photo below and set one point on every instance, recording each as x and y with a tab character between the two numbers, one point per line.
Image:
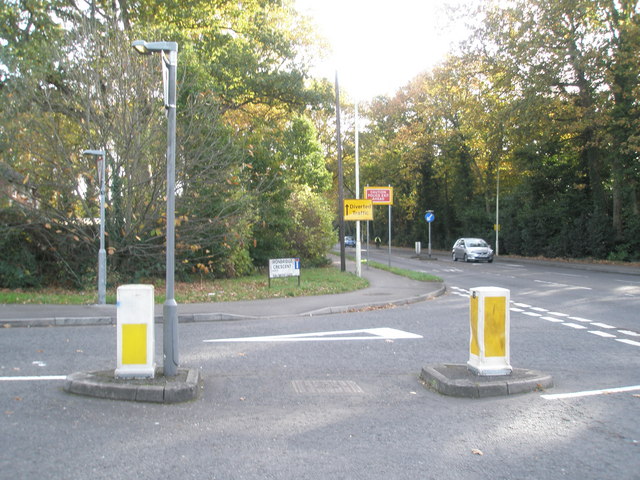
341	335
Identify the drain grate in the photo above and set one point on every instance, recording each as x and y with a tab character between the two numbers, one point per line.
333	387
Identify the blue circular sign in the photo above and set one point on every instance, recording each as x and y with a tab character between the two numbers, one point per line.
429	217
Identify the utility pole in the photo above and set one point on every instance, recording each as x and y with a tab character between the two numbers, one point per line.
358	243
343	261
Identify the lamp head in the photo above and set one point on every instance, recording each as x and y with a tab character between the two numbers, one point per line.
93	152
140	46
147	48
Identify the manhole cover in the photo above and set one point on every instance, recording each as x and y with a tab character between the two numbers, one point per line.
326	387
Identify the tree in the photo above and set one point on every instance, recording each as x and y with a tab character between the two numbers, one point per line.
76	84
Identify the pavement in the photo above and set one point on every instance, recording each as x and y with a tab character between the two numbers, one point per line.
385	289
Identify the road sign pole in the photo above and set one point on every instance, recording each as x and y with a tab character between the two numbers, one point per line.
429	217
358	243
389	236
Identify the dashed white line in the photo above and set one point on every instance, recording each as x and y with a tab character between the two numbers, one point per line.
552	319
629	332
580	319
558	314
574	325
532	314
628	342
602	334
602	325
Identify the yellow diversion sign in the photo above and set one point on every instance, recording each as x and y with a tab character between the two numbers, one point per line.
358	209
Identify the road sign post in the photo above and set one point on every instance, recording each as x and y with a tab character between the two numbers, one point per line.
355	209
284	267
381	196
429	217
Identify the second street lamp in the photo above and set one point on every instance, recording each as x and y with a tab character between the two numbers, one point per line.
102	254
169	53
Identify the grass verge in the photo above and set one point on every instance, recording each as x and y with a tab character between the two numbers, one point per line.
420	276
314	281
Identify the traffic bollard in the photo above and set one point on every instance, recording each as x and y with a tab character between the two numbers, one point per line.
489	322
135	332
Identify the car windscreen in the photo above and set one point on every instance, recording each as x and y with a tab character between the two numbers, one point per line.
477	243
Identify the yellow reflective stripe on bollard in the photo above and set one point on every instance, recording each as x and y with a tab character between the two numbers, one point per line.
474	347
494	326
134	344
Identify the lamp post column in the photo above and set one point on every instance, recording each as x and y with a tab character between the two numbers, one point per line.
102	254
170	309
101	159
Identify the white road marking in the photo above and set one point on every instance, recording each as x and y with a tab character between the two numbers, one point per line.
562	285
580	319
342	335
628	342
27	379
589	393
602	325
558	314
538	309
629	332
522	305
602	334
532	314
552	319
514	309
574	325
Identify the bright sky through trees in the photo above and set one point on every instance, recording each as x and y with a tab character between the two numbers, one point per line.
379	45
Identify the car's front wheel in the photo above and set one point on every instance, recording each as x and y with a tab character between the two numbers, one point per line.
453	256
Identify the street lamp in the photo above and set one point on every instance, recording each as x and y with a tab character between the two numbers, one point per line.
169	53
497	225
102	254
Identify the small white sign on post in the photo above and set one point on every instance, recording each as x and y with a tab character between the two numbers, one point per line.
284	267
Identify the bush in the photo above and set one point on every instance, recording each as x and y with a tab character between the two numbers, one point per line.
18	261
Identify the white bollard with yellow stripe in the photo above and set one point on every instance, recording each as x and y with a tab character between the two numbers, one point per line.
135	326
489	321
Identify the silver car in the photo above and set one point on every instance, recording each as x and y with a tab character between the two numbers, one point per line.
472	250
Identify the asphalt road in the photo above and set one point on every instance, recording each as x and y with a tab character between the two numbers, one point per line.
322	406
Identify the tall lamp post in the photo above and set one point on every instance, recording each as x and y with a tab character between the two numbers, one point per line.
102	254
497	226
169	54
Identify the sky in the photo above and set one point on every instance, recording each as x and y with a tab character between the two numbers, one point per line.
378	46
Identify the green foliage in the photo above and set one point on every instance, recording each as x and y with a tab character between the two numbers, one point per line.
311	234
18	263
243	95
543	96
